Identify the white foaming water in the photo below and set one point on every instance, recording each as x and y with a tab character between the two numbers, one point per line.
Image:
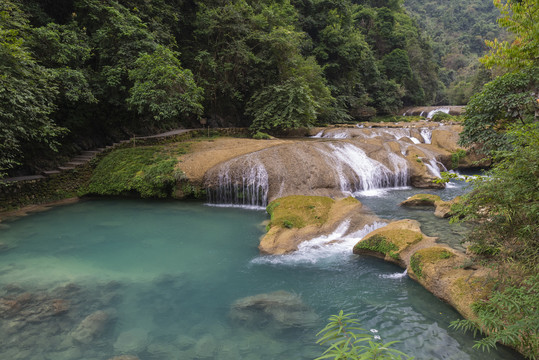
380	192
336	244
356	171
237	206
247	188
319	135
426	133
442	109
395	275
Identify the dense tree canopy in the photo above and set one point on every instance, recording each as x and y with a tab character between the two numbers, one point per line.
106	69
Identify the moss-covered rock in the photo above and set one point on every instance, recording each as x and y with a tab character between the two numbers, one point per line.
297	218
391	241
442	208
421	200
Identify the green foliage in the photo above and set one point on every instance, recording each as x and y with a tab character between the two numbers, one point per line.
161	88
281	107
521	17
505	205
348	341
27	94
148	171
506	100
415	265
261	136
379	243
458	30
509	316
288	224
456	157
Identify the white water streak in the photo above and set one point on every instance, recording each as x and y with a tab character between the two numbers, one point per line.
337	244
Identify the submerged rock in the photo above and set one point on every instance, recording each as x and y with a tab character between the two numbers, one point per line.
91	327
124	357
280	308
132	341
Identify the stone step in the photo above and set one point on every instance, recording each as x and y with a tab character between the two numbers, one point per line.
50	172
65	168
100	149
23	178
75	163
89	152
82	158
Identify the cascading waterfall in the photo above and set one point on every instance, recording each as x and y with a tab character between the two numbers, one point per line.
426	133
247	188
442	109
338	243
357	172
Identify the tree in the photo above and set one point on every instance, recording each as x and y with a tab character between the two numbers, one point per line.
507	100
27	93
162	89
520	17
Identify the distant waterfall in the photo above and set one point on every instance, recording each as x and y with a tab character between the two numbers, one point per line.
249	187
357	172
426	133
442	109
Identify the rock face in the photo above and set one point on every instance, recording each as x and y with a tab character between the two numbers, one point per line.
339	162
280	308
296	219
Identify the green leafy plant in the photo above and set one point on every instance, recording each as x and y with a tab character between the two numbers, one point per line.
348	341
456	157
415	264
509	316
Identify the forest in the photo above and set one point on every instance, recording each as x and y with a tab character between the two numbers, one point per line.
77	74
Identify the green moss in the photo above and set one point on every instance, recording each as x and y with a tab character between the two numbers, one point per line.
457	156
299	211
148	171
380	244
429	255
415	265
261	136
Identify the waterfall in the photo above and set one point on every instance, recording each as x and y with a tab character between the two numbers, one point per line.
432	112
426	133
358	172
247	186
335	244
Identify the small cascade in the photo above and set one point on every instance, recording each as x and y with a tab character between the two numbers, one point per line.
426	133
437	110
358	172
398	275
338	243
247	188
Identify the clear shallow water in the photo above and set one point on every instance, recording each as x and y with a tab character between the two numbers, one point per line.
166	274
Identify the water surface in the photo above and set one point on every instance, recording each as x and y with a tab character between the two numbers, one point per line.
166	275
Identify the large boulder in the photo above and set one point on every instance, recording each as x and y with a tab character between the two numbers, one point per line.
295	219
132	341
393	242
